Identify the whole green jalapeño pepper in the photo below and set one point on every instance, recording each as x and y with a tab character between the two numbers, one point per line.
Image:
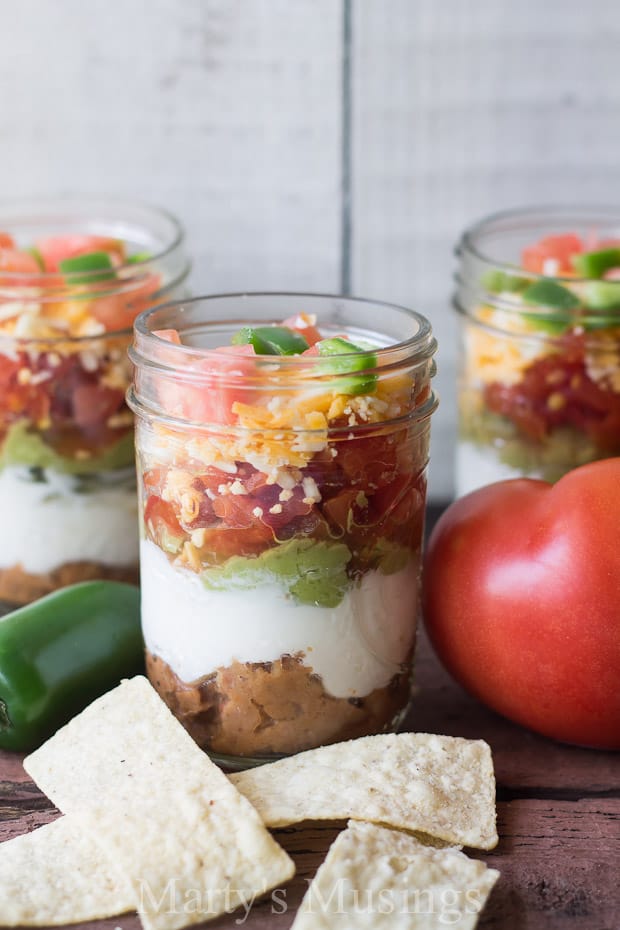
60	653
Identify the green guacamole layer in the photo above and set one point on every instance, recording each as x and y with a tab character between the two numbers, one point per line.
310	571
24	446
550	458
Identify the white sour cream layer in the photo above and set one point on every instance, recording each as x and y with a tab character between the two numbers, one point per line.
47	524
355	647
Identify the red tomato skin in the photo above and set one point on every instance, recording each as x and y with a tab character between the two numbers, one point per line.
521	599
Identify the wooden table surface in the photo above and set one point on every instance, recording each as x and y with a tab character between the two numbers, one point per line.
558	821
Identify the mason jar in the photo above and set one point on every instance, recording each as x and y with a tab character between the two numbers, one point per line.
73	275
538	293
282	501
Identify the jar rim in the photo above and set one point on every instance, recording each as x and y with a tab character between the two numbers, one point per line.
423	340
36	204
198	366
92	212
520	216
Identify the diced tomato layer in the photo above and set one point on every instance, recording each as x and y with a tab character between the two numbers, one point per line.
554	251
71	401
557	391
365	492
6	241
246	512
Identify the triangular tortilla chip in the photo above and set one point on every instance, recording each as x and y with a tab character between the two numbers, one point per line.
57	875
420	782
187	844
379	879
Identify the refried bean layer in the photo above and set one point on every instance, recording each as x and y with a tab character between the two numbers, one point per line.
21	587
266	708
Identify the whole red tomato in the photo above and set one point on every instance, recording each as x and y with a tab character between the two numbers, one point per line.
522	601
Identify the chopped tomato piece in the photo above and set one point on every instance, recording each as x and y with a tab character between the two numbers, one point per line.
282	513
6	241
8	374
552	255
154	479
222	542
211	479
400	504
19	262
235	510
55	249
210	401
347	511
170	335
94	403
118	311
305	325
312	351
368	462
161	522
112	312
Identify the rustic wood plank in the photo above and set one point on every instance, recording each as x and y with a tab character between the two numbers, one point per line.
559	852
559	863
18	819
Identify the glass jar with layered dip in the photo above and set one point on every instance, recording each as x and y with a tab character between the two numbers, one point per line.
73	275
538	291
282	446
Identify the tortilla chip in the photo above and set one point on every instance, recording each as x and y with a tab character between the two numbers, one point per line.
187	843
441	785
378	878
57	875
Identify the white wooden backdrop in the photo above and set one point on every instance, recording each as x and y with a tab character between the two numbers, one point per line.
318	144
